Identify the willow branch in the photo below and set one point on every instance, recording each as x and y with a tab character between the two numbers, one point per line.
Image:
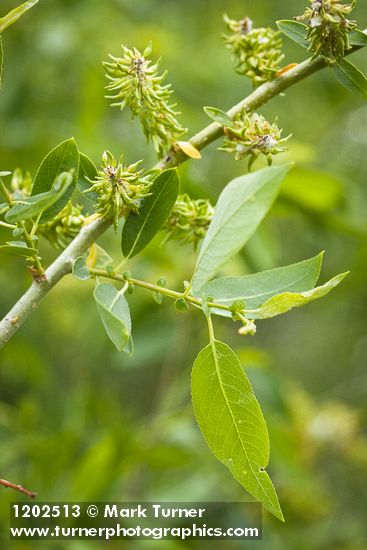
256	99
57	270
19	488
63	264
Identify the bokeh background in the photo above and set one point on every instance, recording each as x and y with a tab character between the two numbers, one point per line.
79	421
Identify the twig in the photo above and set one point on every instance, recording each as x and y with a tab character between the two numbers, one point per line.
14	14
160	289
39	271
18	488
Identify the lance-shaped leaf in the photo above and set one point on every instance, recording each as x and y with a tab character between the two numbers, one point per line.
31	207
351	77
241	207
114	312
139	229
63	158
282	303
220	117
231	421
18	248
15	14
255	289
294	30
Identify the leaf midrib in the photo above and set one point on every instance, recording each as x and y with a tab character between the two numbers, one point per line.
212	344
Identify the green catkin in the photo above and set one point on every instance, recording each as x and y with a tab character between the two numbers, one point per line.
64	227
189	220
120	188
251	136
329	28
135	82
257	53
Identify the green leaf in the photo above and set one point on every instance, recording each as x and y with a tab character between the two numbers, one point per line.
80	269
87	171
241	207
218	116
295	30
358	38
18	248
181	305
63	158
15	14
115	315
351	77
282	303
139	229
255	289
231	421
31	207
157	297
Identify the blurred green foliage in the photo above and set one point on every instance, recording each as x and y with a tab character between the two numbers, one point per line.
80	421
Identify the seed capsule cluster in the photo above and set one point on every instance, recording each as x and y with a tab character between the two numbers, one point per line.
257	53
189	220
329	28
62	229
120	188
136	83
251	135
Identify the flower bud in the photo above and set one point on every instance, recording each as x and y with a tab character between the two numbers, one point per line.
248	329
181	304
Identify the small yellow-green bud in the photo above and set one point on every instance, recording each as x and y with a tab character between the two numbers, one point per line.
248	328
238	306
181	304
